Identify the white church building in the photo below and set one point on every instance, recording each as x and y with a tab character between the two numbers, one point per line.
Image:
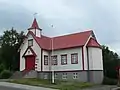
77	56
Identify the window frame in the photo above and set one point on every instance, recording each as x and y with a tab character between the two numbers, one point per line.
45	56
64	76
53	62
75	75
29	42
72	61
62	59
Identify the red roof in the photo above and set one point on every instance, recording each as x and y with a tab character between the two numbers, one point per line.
66	41
34	25
93	43
72	40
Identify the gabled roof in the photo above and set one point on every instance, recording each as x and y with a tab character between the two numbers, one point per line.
34	25
72	40
93	43
30	50
66	41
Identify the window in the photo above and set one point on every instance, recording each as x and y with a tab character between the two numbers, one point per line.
30	42
54	60
45	60
64	76
64	59
75	75
74	58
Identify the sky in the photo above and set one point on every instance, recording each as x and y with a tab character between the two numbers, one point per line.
66	16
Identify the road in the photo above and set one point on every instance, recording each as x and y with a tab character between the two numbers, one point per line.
9	88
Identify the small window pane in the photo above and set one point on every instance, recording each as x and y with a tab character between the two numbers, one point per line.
54	60
74	58
45	60
75	75
63	59
30	42
64	76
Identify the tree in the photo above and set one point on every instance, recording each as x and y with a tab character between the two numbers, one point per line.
10	42
110	62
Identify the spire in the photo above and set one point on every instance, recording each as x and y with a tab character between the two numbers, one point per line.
34	25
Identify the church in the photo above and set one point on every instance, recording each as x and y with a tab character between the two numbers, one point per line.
77	56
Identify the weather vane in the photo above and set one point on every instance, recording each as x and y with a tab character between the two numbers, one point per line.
35	15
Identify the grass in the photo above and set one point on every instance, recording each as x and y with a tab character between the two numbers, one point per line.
62	85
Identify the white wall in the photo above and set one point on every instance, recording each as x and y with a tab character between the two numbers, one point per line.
85	58
68	66
38	33
95	58
85	54
33	30
36	49
46	67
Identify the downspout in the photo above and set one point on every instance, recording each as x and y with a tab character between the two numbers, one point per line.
41	60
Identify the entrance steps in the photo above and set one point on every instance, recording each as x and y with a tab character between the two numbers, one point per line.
24	74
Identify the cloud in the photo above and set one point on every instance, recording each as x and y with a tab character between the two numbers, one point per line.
67	16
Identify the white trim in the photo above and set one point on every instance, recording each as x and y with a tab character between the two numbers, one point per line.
88	40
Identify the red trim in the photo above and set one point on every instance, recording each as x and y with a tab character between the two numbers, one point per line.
35	31
83	57
45	56
72	71
72	59
95	47
66	59
34	54
41	60
56	60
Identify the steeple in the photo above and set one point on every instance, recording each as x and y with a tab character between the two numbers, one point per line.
35	28
34	25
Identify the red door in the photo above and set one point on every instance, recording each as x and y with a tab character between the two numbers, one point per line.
30	63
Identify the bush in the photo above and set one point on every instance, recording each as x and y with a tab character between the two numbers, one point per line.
5	74
109	81
2	67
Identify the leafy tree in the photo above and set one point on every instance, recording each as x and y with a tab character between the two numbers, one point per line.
110	62
10	42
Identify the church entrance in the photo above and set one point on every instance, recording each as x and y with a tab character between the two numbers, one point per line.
30	62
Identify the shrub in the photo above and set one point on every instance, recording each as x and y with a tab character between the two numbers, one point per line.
109	81
5	74
2	67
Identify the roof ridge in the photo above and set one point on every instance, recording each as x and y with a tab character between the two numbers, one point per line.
72	34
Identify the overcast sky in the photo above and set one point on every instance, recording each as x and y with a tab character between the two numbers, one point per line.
67	16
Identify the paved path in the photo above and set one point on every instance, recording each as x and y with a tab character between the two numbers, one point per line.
103	87
9	88
12	86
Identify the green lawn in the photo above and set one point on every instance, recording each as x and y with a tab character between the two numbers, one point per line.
62	85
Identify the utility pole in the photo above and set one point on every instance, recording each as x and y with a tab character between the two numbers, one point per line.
53	78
